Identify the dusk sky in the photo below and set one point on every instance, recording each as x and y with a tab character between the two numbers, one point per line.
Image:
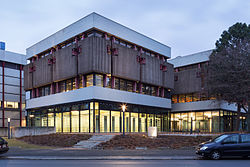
187	26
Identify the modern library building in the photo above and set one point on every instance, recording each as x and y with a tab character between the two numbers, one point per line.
79	78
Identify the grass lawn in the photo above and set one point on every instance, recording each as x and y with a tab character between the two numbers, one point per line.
24	145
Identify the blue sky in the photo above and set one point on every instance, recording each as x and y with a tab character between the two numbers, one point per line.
187	26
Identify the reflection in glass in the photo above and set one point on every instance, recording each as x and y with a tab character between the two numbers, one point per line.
99	80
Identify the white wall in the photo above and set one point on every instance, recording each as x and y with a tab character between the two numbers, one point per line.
102	23
203	105
98	93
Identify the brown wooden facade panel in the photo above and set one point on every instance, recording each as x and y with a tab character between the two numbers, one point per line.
151	72
101	59
125	64
168	76
85	58
28	77
65	65
43	73
94	58
187	82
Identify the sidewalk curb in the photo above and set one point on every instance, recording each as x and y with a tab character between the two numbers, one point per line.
101	158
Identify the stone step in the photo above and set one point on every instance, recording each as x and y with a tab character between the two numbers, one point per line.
94	141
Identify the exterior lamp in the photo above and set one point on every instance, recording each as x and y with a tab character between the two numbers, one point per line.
123	110
8	128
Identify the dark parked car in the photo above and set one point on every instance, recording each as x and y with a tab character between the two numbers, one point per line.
226	145
3	146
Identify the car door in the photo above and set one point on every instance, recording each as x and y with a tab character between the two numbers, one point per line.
230	145
245	144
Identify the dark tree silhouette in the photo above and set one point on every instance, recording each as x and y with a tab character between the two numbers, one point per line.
229	69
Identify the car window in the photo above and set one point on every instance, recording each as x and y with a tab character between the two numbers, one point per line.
234	139
245	138
219	138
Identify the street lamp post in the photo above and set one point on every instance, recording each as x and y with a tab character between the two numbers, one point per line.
123	110
8	128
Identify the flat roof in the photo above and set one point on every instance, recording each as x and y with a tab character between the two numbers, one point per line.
195	58
12	57
95	20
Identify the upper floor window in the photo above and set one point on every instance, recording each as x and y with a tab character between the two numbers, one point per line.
123	85
99	80
68	85
89	80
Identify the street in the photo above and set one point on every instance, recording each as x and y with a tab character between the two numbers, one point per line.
127	163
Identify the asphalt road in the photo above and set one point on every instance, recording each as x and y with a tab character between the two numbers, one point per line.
127	163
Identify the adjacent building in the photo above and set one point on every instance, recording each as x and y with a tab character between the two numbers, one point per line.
12	92
78	78
192	106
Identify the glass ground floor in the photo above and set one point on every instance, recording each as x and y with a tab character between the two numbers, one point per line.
206	121
100	116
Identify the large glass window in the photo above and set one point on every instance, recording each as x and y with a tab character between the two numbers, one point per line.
75	121
97	117
199	123
134	122
44	118
99	80
150	120
104	120
50	119
66	121
58	122
159	122
115	121
208	121
84	118
215	121
142	122
89	80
